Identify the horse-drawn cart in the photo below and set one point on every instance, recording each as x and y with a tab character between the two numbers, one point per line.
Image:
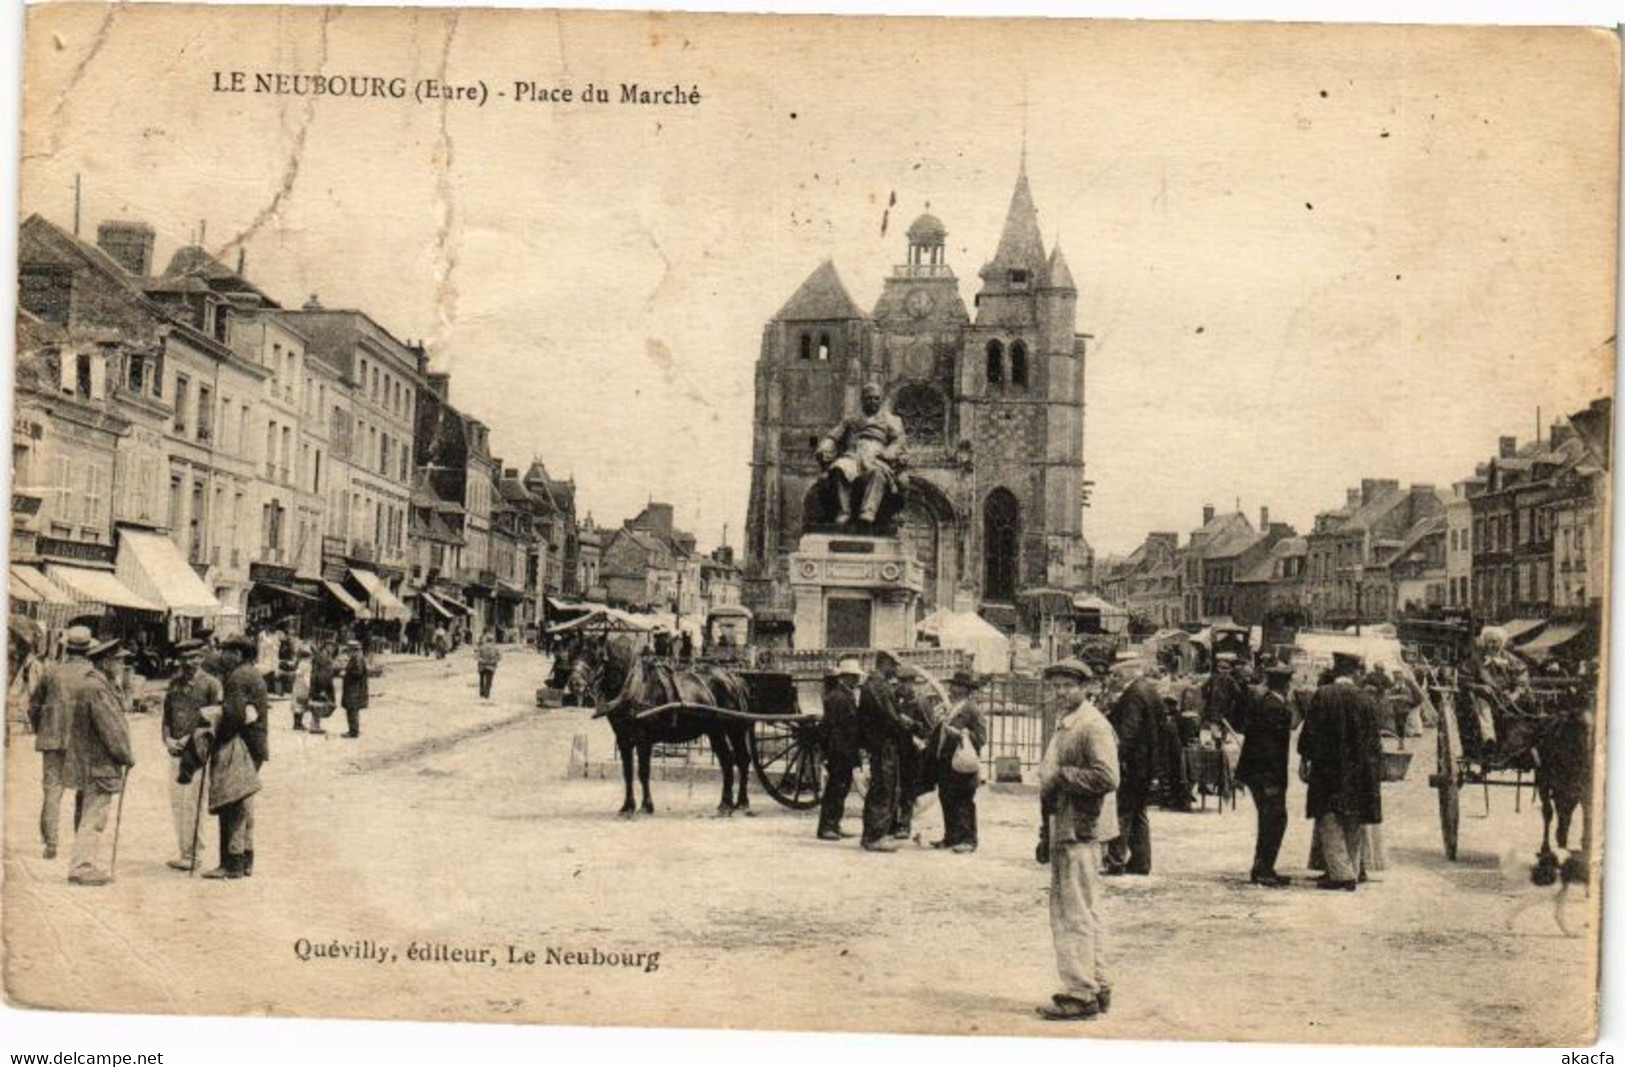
1487	737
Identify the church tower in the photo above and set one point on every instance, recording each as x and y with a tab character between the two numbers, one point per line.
992	406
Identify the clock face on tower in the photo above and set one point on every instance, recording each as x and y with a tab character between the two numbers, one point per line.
919	303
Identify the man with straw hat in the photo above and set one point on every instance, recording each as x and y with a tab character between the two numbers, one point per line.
48	714
98	758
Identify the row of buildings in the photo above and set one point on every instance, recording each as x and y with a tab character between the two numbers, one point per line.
1520	539
186	447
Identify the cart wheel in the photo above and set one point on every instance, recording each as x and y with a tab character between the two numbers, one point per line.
789	762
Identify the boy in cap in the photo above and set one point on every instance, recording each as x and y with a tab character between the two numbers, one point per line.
1078	782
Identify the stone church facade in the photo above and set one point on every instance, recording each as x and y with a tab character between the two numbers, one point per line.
992	399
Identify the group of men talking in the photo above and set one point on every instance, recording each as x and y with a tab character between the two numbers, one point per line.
213	728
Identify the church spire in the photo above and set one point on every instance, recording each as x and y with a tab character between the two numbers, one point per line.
1021	246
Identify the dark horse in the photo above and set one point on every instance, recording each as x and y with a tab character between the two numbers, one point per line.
1554	736
629	683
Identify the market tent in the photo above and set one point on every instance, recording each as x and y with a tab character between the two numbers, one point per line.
607	620
1315	649
150	565
97	587
1520	630
1113	619
987	644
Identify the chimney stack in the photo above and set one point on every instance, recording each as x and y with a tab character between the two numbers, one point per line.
1207	514
511	472
1509	447
1562	432
129	243
312	304
440	384
1353	498
242	261
1264	519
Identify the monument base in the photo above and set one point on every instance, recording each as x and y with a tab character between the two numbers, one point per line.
854	591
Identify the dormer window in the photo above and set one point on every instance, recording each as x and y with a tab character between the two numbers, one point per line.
1018	278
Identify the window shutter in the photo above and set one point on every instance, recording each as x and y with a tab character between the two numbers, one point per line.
67	361
98	377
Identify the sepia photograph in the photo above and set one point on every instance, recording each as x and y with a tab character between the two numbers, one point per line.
992	526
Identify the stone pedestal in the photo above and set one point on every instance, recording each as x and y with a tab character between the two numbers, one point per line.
854	591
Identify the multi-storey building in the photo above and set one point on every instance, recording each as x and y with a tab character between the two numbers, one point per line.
1458	543
1344	544
371	429
1513	529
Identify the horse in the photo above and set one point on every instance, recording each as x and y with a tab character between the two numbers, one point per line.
1555	738
629	683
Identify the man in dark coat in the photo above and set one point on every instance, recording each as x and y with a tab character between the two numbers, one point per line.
1224	697
99	755
245	712
354	696
881	731
49	713
841	748
1263	770
1340	753
964	724
911	772
1135	716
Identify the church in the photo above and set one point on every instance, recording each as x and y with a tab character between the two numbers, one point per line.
992	401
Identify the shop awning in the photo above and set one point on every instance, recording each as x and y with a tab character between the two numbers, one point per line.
1552	640
1517	630
343	596
41	588
285	590
510	590
98	587
385	605
453	603
153	567
434	602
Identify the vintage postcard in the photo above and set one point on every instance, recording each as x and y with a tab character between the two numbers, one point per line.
997	526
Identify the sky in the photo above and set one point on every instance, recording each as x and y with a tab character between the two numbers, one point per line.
1305	255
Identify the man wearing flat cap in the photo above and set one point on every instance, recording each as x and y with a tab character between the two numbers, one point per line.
190	691
913	776
1263	769
1136	716
1078	782
863	457
48	712
882	729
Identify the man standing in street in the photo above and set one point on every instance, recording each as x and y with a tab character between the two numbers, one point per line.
917	725
1136	718
881	731
190	692
98	757
841	746
487	657
1078	783
1263	770
48	713
1340	758
245	713
355	686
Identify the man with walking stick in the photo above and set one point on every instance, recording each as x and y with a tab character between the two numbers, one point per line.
99	757
190	691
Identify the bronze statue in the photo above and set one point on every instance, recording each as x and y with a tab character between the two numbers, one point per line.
863	460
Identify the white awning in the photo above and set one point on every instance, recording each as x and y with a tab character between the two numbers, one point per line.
152	566
342	595
43	590
97	587
384	603
434	602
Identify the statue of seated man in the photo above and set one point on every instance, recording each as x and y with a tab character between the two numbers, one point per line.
864	458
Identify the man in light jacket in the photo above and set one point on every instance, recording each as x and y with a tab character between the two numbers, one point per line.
98	755
1078	783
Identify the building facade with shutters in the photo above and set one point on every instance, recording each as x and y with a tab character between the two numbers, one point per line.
991	397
